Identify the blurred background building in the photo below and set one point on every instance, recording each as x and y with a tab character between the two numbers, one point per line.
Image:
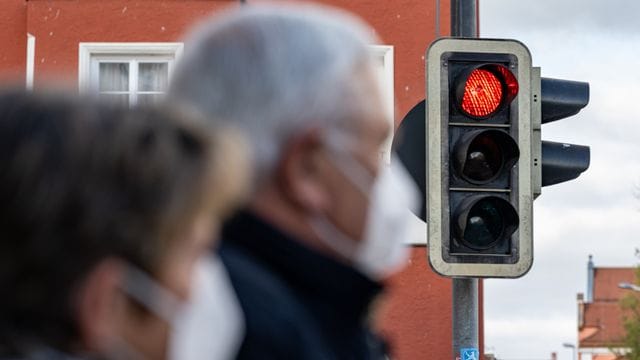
600	316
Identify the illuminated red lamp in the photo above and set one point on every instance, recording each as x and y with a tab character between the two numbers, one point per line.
485	90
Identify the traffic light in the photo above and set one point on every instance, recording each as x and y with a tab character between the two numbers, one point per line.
479	153
486	162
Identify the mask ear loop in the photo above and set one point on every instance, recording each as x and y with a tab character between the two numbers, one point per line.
333	237
142	288
337	142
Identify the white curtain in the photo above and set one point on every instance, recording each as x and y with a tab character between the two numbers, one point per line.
114	77
153	76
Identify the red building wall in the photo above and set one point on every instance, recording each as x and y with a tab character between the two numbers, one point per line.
13	41
416	315
60	25
410	26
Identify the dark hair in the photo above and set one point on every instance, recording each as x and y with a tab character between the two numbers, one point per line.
80	182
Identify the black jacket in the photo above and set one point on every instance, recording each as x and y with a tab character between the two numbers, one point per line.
298	303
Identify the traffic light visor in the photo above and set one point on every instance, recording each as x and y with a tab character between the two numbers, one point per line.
485	89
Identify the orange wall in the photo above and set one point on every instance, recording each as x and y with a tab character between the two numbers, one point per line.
417	316
13	41
410	26
59	25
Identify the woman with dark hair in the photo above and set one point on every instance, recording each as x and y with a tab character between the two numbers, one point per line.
106	222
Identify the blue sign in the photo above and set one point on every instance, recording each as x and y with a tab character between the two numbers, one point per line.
469	354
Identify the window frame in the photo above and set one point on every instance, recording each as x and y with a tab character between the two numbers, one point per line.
91	54
385	53
417	227
30	63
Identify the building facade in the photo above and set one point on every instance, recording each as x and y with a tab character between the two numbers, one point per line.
600	316
126	49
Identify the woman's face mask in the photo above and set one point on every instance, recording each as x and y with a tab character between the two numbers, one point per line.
209	325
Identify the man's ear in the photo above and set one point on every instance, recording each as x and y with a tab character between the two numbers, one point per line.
99	304
301	170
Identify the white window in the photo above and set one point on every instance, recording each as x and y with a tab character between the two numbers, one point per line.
125	80
383	57
127	73
31	54
383	61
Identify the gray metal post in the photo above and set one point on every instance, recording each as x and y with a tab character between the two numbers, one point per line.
465	315
464	18
465	291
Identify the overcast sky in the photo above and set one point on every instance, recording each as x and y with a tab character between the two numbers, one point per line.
597	42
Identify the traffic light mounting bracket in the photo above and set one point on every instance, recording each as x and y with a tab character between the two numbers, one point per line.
536	136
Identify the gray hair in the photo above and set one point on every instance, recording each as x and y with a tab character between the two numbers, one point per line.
276	70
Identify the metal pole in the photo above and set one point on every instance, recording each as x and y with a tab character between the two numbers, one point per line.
465	291
464	18
465	316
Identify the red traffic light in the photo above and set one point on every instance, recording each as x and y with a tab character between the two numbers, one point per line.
482	93
484	90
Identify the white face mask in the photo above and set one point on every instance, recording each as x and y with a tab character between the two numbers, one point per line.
392	196
212	324
209	325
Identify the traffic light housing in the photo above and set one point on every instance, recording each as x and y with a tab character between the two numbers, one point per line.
486	161
479	156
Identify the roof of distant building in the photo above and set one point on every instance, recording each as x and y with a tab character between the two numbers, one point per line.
601	320
606	280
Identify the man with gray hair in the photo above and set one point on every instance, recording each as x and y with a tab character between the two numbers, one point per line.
328	218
